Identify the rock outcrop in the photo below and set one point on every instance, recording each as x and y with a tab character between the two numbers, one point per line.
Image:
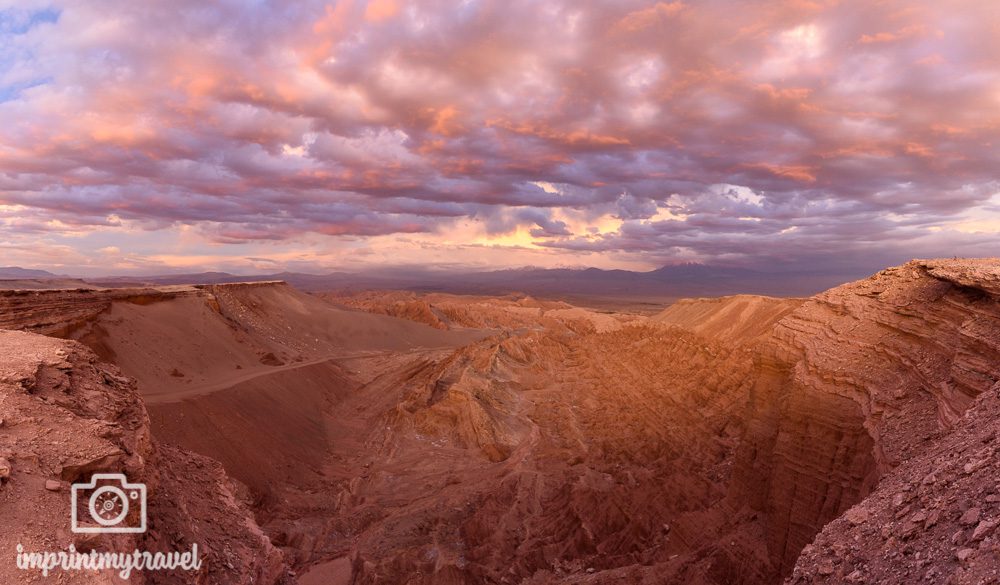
855	382
58	312
933	519
65	416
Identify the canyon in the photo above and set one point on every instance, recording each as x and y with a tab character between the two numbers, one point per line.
403	437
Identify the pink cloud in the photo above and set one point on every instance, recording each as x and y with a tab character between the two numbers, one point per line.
268	122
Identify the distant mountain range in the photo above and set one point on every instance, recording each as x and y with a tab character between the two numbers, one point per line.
18	272
683	280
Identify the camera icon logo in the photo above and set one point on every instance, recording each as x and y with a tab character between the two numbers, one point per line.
110	501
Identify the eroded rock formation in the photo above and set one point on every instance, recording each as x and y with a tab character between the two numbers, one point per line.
525	441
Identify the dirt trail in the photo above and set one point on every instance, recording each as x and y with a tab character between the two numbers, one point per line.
175	395
172	395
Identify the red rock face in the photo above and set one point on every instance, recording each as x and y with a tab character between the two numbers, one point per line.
805	458
858	380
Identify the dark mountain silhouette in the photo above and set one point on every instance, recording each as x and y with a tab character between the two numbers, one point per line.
18	272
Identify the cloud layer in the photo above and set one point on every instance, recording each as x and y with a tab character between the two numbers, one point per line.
150	135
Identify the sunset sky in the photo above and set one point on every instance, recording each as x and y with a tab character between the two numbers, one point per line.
145	137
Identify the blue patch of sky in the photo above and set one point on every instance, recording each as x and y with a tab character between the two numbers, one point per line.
13	23
18	22
13	91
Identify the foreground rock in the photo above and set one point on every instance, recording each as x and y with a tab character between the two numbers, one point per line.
933	519
67	416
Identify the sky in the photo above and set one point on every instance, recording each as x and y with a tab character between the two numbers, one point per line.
255	136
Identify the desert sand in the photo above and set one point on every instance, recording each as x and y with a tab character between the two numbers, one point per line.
399	437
